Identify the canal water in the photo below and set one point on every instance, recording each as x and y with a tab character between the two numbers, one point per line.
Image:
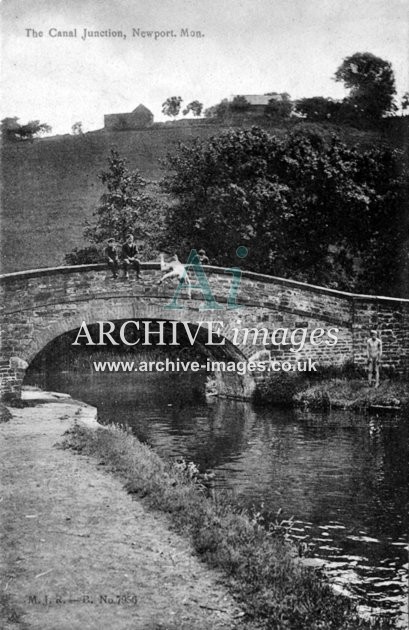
342	478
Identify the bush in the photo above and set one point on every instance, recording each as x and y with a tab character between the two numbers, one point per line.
85	256
5	414
279	109
280	389
318	108
239	104
340	209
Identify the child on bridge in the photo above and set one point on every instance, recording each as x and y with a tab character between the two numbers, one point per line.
129	257
177	270
111	254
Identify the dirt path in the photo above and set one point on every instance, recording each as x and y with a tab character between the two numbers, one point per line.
73	542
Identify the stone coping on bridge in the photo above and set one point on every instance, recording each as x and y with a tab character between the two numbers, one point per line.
153	266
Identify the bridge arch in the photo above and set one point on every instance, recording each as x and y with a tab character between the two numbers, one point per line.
38	305
229	384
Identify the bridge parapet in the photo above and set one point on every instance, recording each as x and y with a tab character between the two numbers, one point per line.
38	305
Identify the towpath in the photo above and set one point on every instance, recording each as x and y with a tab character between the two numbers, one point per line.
78	553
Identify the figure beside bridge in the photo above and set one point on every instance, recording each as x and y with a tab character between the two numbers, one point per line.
40	305
374	351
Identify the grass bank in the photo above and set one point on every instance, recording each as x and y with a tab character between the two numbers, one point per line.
261	565
5	414
333	390
355	395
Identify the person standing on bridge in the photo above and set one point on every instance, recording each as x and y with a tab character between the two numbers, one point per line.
374	352
112	257
129	257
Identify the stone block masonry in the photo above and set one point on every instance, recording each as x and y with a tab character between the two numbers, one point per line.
39	305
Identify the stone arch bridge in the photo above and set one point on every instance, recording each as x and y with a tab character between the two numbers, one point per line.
39	305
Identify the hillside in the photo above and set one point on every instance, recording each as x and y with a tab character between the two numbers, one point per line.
50	185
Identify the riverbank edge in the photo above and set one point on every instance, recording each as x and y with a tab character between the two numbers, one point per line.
264	573
339	392
85	414
67	416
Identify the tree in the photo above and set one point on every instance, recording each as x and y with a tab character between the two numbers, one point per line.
125	207
220	110
195	107
371	82
299	204
239	104
12	130
318	108
77	129
279	108
405	102
9	127
171	107
32	129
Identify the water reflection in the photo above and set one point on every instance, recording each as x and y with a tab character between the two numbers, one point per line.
344	481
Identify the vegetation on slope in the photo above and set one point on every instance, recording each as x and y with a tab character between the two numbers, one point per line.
261	564
340	209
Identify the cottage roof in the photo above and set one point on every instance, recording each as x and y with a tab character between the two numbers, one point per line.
141	109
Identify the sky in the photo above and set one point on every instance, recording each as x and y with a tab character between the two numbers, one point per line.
246	47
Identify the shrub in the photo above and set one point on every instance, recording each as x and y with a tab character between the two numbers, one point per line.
84	256
279	388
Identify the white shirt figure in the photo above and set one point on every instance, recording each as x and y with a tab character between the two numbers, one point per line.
177	270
